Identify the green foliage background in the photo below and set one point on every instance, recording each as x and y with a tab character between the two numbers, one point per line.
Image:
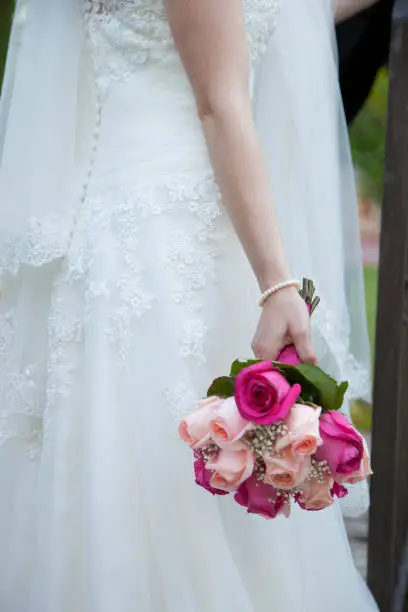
368	138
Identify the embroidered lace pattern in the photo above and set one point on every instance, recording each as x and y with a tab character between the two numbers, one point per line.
38	243
127	33
83	284
21	410
123	35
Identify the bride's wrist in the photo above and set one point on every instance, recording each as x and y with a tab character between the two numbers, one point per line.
273	278
290	284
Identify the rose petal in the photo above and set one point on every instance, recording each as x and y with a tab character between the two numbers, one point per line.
203	476
194	429
260	499
231	468
227	426
263	395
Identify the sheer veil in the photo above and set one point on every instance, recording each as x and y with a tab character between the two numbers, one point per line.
46	121
38	131
301	123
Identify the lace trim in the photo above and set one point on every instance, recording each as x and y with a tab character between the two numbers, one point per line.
39	242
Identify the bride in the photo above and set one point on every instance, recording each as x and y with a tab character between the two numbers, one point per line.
162	164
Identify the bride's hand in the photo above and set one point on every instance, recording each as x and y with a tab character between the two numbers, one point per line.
285	320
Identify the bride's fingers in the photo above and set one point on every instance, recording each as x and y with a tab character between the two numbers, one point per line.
303	343
267	348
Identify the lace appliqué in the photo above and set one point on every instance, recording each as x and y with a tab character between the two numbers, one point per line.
64	333
124	34
192	257
189	258
102	273
192	343
39	242
180	400
261	20
21	410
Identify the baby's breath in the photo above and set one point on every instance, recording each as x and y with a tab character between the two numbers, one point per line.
319	471
262	438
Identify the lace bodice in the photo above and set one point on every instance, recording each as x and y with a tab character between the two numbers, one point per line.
128	33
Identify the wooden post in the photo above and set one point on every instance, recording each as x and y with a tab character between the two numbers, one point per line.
389	494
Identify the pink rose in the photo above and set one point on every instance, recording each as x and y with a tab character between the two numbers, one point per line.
262	499
365	469
303	425
343	446
203	477
315	495
287	471
227	426
194	429
263	395
231	468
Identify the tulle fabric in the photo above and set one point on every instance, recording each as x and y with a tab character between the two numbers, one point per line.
39	138
104	348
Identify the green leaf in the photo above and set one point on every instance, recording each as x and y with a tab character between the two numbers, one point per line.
222	387
238	365
317	386
341	392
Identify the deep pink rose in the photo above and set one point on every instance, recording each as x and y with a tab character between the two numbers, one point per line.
343	446
339	491
365	469
289	356
361	474
203	477
262	499
263	395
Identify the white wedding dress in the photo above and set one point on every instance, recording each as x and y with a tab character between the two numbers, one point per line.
108	336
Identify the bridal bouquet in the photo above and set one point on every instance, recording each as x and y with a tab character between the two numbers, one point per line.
272	435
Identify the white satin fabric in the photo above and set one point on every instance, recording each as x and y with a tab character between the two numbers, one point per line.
113	335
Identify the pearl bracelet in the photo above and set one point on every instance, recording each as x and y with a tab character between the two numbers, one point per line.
272	290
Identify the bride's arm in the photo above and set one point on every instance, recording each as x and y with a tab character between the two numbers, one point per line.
344	9
211	39
210	36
